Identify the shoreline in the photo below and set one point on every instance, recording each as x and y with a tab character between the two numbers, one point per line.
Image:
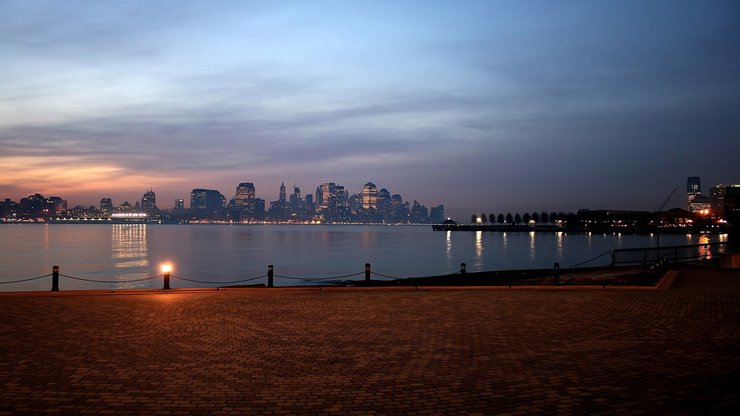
633	230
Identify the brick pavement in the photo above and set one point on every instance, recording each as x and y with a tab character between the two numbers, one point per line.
377	351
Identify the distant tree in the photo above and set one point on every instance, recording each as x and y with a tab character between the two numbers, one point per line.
571	219
473	219
526	217
500	219
535	217
492	218
509	218
544	218
483	218
553	217
517	219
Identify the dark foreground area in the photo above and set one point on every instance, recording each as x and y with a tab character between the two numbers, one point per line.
671	350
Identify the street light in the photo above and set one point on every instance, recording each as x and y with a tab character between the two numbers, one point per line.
166	269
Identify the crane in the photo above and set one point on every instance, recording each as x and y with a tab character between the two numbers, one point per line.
666	200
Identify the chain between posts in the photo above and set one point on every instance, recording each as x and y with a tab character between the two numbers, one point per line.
25	280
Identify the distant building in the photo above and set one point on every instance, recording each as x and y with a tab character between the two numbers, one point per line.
732	204
179	203
369	196
701	204
693	189
245	194
282	198
245	203
206	203
56	205
437	214
717	196
149	202
106	206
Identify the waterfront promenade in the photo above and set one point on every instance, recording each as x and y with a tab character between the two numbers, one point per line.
672	350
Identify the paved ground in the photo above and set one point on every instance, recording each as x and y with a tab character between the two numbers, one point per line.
377	351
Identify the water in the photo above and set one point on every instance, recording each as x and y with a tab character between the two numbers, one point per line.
212	253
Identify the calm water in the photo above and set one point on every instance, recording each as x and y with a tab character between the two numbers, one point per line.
223	252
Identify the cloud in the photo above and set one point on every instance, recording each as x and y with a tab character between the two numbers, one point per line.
487	102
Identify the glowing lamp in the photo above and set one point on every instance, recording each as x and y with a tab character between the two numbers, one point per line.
166	269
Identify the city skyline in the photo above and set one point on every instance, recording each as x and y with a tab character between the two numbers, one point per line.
504	106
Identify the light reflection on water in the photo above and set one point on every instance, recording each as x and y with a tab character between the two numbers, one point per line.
129	253
221	252
705	251
478	250
559	238
532	245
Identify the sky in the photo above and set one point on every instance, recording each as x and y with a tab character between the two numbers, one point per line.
483	106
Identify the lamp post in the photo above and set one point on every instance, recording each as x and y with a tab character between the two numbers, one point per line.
166	269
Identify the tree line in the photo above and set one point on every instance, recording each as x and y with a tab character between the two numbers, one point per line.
526	218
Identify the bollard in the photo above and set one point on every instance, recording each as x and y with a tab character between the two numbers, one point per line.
557	274
367	272
55	279
166	281
463	268
269	275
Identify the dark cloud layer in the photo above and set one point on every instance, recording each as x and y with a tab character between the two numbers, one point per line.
491	106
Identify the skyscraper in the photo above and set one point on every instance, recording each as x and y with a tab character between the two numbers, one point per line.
206	202
245	201
149	201
106	206
282	198
245	193
369	196
693	189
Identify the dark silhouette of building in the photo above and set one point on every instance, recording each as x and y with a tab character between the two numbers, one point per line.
206	203
149	202
106	206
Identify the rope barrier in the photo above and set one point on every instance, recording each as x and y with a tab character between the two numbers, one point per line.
385	275
220	282
25	280
318	279
109	281
590	260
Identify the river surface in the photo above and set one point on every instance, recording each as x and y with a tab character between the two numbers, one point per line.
119	253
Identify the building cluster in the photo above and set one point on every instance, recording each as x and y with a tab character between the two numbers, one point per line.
331	203
704	213
716	204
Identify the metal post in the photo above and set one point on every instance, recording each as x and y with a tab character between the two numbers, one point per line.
166	281
269	275
462	268
55	279
557	274
367	272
